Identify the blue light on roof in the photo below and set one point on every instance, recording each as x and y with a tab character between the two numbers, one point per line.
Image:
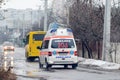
53	30
69	30
54	25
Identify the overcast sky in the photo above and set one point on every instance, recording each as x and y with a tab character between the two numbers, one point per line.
23	4
34	4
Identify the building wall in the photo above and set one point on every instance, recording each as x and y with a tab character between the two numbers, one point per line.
17	18
115	52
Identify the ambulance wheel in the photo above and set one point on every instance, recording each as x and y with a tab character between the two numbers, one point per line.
40	65
74	66
48	66
65	66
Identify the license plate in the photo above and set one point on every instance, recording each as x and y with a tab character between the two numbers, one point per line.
63	56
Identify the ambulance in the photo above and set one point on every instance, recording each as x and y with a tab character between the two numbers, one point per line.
58	48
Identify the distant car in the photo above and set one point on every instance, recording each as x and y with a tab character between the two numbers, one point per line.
8	46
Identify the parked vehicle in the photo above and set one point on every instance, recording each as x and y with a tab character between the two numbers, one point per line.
58	48
8	46
32	40
7	56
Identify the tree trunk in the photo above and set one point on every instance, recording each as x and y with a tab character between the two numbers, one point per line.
98	42
85	44
83	49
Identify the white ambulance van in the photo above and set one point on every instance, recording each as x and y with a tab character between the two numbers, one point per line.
58	48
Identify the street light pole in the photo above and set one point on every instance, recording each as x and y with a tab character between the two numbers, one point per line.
119	3
106	32
45	15
39	17
68	14
31	24
23	26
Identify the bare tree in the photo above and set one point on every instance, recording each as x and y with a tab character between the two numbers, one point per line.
2	1
86	20
3	36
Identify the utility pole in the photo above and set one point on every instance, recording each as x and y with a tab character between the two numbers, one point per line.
5	21
68	14
31	18
45	15
39	17
106	32
68	5
119	3
23	26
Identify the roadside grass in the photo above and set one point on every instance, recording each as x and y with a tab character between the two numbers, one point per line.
7	75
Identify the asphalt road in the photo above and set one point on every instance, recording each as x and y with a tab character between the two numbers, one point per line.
30	71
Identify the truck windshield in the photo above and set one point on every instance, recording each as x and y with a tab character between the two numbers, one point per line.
62	43
38	37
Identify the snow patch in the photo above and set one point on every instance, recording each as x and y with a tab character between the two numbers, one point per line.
99	63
